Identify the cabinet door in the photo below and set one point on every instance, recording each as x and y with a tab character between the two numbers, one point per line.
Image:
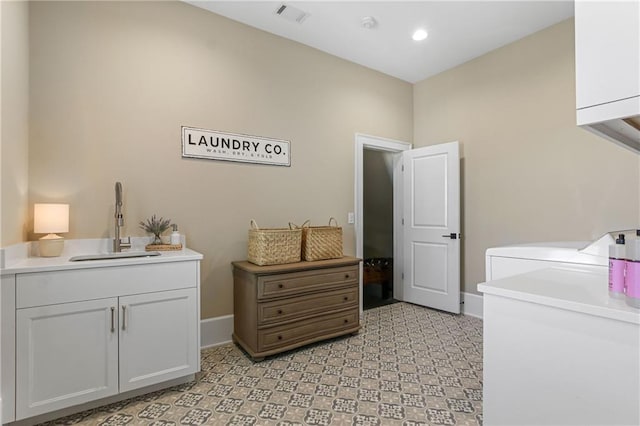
607	46
66	354
158	337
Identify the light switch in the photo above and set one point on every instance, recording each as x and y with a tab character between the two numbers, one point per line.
351	217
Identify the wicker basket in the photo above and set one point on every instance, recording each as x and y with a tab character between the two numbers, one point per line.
273	246
321	242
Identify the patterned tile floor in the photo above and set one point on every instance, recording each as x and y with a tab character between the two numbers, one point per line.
408	366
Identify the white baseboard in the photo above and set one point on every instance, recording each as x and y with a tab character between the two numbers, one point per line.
472	305
216	331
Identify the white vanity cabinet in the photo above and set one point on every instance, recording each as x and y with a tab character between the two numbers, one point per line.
97	331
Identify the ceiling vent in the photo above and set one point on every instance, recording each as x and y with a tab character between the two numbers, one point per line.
291	13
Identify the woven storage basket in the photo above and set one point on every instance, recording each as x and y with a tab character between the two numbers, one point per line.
321	242
273	246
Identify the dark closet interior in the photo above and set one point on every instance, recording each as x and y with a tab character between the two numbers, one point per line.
377	279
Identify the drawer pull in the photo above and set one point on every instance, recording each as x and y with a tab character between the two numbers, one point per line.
124	317
346	276
279	311
279	337
113	319
346	320
280	285
346	298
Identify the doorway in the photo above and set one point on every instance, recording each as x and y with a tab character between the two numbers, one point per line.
426	220
377	237
386	151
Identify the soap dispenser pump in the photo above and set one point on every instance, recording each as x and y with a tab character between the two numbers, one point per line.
175	236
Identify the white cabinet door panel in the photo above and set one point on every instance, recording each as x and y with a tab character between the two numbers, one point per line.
158	337
66	354
607	46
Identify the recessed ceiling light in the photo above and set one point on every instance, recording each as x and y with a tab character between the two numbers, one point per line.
419	35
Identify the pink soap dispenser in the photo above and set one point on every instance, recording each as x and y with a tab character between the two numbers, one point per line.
632	275
616	268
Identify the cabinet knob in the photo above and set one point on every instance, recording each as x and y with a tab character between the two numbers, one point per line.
279	337
346	298
346	276
279	311
280	285
346	320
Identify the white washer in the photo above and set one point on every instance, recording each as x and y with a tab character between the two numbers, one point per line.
506	261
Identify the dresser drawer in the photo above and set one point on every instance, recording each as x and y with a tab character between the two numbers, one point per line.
308	330
306	281
304	306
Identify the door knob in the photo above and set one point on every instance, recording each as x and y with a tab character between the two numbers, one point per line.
452	235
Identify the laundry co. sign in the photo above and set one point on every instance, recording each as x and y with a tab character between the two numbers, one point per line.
213	145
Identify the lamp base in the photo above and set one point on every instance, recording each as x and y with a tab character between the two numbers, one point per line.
51	245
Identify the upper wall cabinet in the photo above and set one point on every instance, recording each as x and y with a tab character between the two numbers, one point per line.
608	69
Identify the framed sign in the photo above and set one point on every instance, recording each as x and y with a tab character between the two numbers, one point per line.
214	145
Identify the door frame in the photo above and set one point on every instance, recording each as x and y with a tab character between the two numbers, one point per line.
362	142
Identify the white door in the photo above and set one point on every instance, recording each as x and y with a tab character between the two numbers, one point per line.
158	337
66	354
431	216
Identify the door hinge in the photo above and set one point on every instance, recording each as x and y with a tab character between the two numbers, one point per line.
402	275
403	167
403	220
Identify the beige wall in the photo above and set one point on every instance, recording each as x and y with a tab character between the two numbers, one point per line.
528	173
113	82
14	124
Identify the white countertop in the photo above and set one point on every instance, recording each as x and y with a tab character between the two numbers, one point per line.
20	259
579	289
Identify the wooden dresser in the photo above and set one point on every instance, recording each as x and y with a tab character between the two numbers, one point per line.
281	307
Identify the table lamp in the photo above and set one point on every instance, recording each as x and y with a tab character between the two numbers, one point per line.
49	219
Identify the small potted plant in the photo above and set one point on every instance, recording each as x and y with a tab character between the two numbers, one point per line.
156	227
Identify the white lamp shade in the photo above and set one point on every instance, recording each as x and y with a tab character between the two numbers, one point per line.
50	218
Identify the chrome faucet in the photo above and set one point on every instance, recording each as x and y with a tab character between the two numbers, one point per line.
118	245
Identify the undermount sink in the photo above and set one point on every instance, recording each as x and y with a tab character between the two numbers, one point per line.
121	255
